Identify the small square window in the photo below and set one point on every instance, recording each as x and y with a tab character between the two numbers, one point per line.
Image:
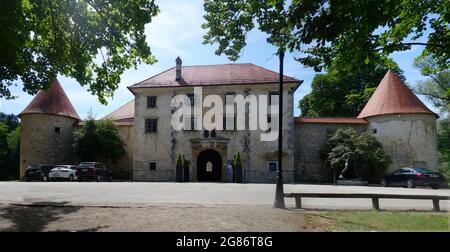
151	125
229	123
374	131
191	98
57	129
273	98
273	166
151	101
190	123
152	165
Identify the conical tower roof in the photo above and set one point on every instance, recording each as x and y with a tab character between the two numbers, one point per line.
392	96
53	101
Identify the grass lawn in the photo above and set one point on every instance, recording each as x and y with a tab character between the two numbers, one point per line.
376	221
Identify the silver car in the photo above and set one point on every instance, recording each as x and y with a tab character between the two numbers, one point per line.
63	172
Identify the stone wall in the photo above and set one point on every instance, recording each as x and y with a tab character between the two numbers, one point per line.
41	144
410	139
123	168
309	139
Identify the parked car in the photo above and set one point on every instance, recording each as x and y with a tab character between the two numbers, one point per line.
63	172
93	171
37	172
411	177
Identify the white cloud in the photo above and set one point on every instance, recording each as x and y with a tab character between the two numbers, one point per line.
177	27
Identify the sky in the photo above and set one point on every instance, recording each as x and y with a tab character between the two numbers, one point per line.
176	31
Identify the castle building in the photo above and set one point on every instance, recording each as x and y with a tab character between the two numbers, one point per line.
399	120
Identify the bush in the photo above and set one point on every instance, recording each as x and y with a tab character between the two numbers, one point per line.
98	141
371	163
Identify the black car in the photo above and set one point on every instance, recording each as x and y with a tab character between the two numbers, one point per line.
411	177
93	171
37	172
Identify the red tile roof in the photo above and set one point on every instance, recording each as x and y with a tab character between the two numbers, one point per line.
210	75
53	101
124	112
339	120
392	96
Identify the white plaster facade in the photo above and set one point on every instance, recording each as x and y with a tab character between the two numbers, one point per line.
164	145
410	139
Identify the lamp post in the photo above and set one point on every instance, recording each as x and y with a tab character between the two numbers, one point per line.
279	193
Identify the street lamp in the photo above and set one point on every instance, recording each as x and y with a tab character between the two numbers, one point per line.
279	193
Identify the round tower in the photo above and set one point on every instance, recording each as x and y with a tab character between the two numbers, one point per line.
46	129
402	124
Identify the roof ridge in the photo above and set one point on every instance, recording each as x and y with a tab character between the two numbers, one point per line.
393	96
118	109
272	71
153	76
52	101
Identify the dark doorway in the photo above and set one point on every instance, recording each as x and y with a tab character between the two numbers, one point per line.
209	166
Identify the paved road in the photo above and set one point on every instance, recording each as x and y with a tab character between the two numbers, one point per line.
145	194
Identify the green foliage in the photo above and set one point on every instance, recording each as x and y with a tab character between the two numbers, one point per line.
324	30
98	141
91	41
11	120
372	161
4	150
443	136
237	160
179	161
9	147
345	90
437	87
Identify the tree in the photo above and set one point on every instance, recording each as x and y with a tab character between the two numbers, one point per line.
345	90
437	87
443	136
348	32
372	161
86	141
92	41
9	146
4	151
98	141
11	120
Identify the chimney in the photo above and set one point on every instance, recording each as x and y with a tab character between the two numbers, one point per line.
178	69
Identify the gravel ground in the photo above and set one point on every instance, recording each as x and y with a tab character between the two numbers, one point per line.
166	217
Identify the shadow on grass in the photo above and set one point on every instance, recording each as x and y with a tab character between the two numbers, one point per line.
36	217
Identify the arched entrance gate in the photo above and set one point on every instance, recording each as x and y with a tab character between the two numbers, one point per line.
209	166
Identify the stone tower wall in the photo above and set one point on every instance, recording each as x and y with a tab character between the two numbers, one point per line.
410	139
40	143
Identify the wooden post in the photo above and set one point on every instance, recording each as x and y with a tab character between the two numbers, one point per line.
298	202
436	205
375	203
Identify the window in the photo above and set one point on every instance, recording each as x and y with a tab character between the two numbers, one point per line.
191	98
190	123
57	129
405	170
374	131
273	97
152	165
229	123
230	93
151	125
273	166
151	101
